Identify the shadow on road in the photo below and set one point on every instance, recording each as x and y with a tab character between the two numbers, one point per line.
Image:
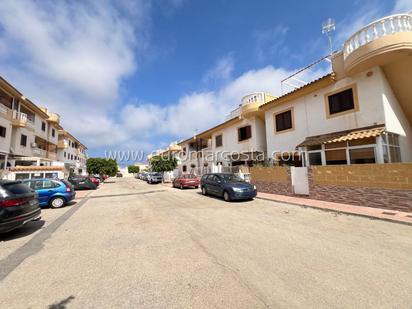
25	230
221	199
61	304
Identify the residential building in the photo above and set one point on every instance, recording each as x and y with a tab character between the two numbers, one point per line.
29	136
360	112
72	152
240	140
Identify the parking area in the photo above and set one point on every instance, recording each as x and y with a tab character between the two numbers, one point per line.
131	244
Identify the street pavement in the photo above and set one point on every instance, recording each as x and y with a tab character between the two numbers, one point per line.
133	245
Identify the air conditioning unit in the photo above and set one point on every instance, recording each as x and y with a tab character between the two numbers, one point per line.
33	145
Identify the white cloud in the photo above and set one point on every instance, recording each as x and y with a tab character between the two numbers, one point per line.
270	42
222	71
402	6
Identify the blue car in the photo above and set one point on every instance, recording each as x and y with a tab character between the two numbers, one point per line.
52	192
227	185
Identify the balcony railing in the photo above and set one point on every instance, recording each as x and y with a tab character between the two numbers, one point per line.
380	28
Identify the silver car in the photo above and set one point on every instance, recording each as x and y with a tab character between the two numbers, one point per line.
154	178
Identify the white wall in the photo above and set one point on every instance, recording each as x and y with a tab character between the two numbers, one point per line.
310	116
396	121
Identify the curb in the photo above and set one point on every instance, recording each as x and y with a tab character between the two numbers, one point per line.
338	211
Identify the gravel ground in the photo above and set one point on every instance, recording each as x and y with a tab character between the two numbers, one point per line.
133	245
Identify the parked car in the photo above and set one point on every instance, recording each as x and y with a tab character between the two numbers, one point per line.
18	205
186	181
226	185
95	180
154	178
119	175
82	182
52	192
143	176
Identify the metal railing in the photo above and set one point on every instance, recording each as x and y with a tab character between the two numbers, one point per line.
379	28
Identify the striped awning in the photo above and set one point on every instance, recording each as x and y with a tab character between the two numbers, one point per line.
343	136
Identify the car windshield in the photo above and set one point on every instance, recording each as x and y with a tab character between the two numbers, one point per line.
231	178
189	176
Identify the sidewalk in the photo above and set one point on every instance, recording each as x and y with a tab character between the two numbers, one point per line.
369	212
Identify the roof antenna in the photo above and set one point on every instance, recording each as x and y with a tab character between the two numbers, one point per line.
327	28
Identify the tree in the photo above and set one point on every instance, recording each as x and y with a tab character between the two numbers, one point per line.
133	169
102	166
161	165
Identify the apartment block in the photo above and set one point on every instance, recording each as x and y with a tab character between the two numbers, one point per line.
29	138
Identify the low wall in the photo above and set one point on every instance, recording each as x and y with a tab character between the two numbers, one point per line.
387	186
274	179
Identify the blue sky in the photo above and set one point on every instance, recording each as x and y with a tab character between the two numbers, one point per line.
137	75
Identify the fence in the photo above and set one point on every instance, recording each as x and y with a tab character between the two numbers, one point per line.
386	186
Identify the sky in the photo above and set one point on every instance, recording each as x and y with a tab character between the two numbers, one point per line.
138	75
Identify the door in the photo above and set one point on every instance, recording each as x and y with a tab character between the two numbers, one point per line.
215	185
300	181
45	189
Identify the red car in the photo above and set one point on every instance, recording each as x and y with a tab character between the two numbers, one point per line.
186	181
96	181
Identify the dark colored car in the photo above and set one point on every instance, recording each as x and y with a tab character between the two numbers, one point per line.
52	192
82	183
18	205
228	186
186	181
154	178
119	175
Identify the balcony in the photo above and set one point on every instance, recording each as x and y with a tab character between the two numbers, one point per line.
378	43
53	117
250	104
19	119
62	144
5	112
52	155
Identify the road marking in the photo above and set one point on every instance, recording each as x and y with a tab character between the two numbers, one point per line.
125	194
34	245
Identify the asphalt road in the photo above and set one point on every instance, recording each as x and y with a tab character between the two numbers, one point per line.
133	245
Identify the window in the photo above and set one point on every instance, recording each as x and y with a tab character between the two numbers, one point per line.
341	101
184	168
64	154
283	121
244	133
53	132
315	158
334	157
391	148
362	155
43	126
23	140
219	140
2	131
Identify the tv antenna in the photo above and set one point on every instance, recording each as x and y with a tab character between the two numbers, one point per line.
327	28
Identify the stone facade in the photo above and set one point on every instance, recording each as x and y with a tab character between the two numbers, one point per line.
274	180
386	186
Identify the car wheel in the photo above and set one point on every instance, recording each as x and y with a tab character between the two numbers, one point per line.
57	202
204	191
226	196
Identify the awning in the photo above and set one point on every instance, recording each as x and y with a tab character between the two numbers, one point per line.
36	168
343	136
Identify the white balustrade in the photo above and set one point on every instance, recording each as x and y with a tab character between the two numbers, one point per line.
380	28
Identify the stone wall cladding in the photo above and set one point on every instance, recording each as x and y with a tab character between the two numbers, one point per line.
387	186
274	179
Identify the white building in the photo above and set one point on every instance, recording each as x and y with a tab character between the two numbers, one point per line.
72	152
29	136
359	113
